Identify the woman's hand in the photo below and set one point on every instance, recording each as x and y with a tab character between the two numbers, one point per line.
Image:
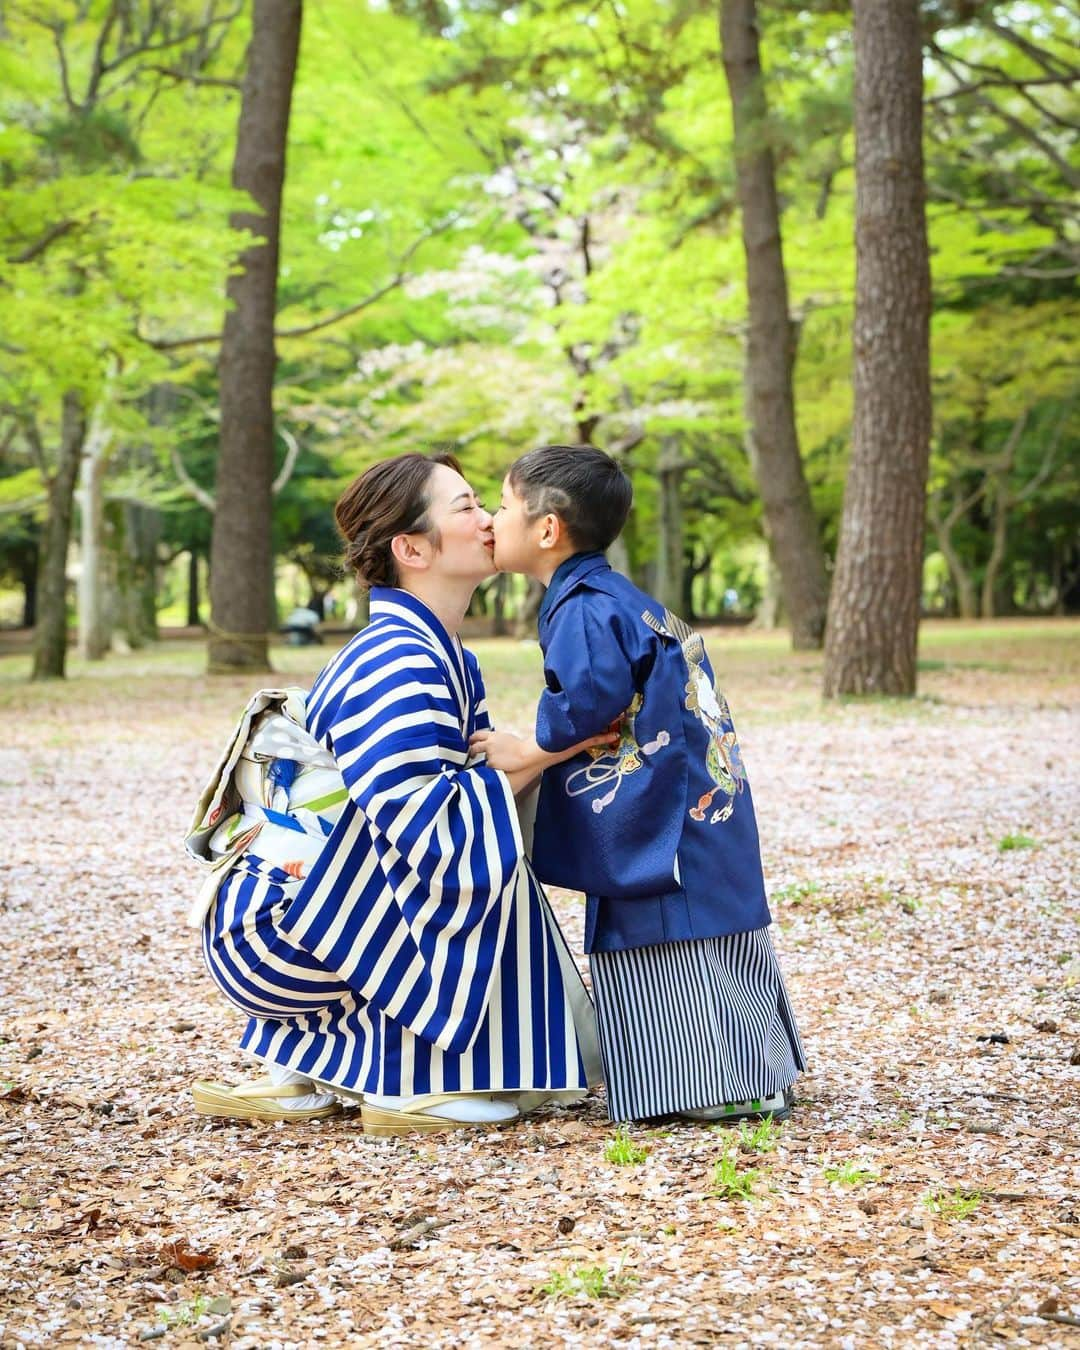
503	750
521	755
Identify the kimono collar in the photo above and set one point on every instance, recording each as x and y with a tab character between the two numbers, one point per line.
389	602
567	572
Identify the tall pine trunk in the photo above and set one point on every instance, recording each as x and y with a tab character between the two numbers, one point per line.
241	604
790	524
873	627
50	632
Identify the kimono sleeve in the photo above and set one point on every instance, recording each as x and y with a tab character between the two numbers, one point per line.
448	845
589	674
481	718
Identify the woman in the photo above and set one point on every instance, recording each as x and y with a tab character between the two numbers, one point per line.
405	953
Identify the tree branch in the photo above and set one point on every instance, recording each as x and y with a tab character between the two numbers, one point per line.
38	247
146	46
292	449
193	489
182	76
1037	54
97	64
303	330
1021	128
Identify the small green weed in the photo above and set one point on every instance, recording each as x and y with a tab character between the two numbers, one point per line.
728	1182
759	1137
952	1205
849	1174
1008	842
621	1149
589	1282
798	892
184	1314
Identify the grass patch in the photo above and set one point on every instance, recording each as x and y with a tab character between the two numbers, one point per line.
621	1149
729	1181
1008	842
760	1136
798	893
849	1174
591	1282
952	1205
184	1314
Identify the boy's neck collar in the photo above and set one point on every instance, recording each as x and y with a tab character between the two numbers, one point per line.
565	570
553	565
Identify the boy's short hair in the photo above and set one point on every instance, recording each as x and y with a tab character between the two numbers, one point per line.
581	485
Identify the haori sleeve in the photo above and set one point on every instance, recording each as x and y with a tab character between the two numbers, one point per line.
588	673
448	842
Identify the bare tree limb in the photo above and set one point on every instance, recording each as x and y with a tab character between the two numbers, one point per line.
292	449
1063	166
1051	64
192	488
97	64
184	77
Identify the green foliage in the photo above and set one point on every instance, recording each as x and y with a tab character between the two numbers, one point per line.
539	203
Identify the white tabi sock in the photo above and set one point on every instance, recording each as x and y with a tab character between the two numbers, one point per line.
473	1109
313	1101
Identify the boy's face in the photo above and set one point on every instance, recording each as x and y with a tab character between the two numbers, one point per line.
517	540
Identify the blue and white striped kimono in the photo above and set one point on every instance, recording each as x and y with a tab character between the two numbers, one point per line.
419	953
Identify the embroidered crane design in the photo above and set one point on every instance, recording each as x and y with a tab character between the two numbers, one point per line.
723	759
612	766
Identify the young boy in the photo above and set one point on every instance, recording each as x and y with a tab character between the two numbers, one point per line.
659	830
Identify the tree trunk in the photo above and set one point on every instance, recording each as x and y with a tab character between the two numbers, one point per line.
30	561
525	626
874	610
770	355
50	633
966	604
193	617
95	627
670	468
997	548
770	612
241	604
961	577
137	534
498	613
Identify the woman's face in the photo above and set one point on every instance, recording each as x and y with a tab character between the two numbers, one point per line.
467	545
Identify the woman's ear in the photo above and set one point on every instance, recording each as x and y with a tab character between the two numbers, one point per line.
409	551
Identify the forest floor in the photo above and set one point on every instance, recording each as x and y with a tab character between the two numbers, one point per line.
923	861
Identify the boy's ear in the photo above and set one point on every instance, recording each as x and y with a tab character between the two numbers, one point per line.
409	551
552	531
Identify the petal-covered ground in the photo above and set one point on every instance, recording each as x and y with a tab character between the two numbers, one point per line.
923	860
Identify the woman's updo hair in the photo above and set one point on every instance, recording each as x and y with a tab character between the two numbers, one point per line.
388	499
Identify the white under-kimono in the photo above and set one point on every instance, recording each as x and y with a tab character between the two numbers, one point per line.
411	950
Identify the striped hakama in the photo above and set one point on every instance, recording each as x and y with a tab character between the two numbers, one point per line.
418	954
695	1023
